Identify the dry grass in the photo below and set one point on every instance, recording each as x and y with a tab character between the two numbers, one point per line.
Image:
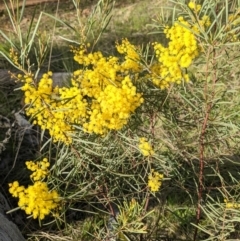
130	19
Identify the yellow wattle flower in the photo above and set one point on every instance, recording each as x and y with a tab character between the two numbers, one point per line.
154	180
36	200
145	147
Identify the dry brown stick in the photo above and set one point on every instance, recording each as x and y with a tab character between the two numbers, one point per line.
20	3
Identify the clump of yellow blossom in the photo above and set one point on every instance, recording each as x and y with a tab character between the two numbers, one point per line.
182	49
132	57
36	200
107	83
234	19
102	96
112	109
145	147
195	7
13	55
154	180
51	107
205	21
202	22
39	169
231	204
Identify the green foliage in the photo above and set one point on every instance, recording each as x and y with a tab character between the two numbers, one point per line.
188	132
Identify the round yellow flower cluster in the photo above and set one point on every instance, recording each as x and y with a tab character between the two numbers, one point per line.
231	204
195	7
154	180
182	49
48	112
15	189
112	108
81	56
145	147
39	169
53	108
203	22
132	57
36	199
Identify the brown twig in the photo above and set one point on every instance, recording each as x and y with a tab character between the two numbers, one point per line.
202	138
201	165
